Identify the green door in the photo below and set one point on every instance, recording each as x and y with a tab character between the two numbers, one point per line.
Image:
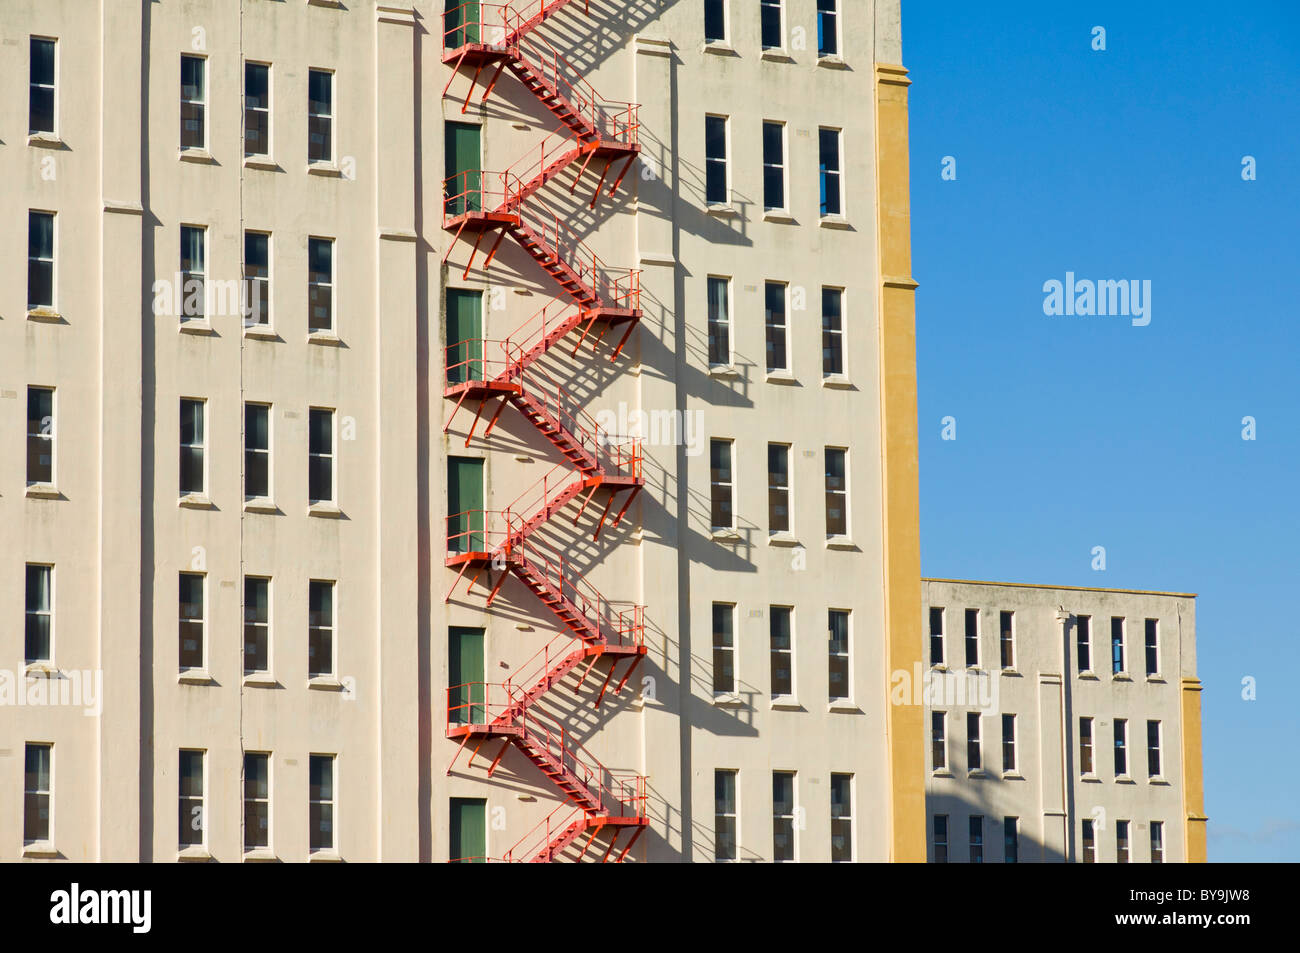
465	675
461	24
464	335
464	160
465	505
468	830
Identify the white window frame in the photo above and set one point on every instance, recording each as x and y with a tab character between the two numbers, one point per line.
725	6
726	323
189	800
788	490
331	456
974	741
1091	746
1122	671
789	653
1087	832
735	817
730	485
1158	750
333	803
201	102
780	7
725	160
202	621
1123	845
254	318
331	286
48	436
246	800
783	166
1119	738
1083	637
836	14
838	173
939	719
332	629
1014	767
1157	842
769	326
934	834
261	451
53	304
1154	625
966	637
792	817
201	446
47	793
53	87
847	655
849	804
725	649
264	626
331	116
840	334
268	110
942	635
47	612
201	274
842	494
1004	640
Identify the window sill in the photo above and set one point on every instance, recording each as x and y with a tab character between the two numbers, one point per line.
837	382
1090	779
265	163
1121	677
719	47
776	55
195	676
834	221
782	539
1012	776
260	680
333	4
723	370
45	140
1124	779
786	703
840	542
325	510
845	706
725	535
328	169
261	504
48	315
40	849
195	501
325	683
325	338
940	773
1156	679
779	215
977	773
1088	677
832	61
1163	782
43	491
260	855
1011	673
728	699
202	156
780	377
938	667
43	669
324	857
722	210
195	326
261	332
193	855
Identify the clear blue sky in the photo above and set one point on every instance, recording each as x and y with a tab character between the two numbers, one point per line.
1075	432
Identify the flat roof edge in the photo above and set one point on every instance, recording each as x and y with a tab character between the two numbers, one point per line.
1034	585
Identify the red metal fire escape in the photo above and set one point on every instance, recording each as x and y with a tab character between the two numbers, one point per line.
492	38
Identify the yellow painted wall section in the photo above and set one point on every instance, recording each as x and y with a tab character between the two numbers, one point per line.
1193	777
901	516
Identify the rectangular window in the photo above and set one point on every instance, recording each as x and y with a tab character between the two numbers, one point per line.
1121	842
38	793
724	648
1116	645
972	638
257	624
1153	646
941	838
320	456
1006	624
773	165
191	620
719	321
828	28
725	816
778	488
194	98
1008	742
1121	748
40	435
320	802
720	486
40	112
936	636
1157	842
1011	840
467	837
773	36
257	279
320	116
837	492
939	740
257	800
774	325
1085	746
193	272
1089	843
783	803
839	687
193	432
715	21
977	839
782	650
1153	749
320	628
829	163
257	109
257	451
40	260
832	332
191	822
717	175
320	284
974	748
1083	636
841	818
38	630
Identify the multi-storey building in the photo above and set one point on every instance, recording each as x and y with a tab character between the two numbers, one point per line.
1064	725
428	456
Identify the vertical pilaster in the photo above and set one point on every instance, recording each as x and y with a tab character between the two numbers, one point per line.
1193	779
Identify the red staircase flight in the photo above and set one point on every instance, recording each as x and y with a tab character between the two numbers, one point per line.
597	802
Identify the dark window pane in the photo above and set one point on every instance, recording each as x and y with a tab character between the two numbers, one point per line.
714	20
770	22
42	61
322	431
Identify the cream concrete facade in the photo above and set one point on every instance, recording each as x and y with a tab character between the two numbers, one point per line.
1049	685
118	531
